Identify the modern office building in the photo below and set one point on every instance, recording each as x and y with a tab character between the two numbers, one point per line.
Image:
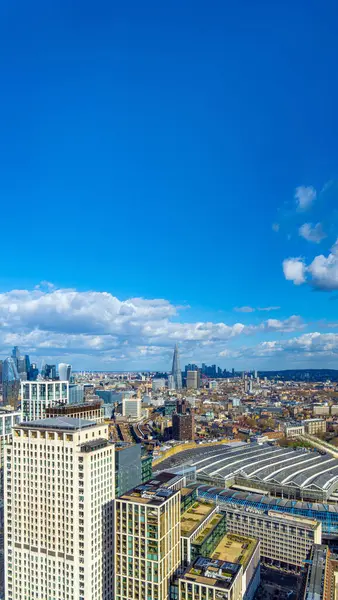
131	408
147	526
10	382
48	371
128	467
109	396
146	467
33	372
193	380
64	371
59	491
176	370
286	540
36	396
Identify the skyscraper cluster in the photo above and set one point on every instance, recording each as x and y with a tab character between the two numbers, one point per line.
17	368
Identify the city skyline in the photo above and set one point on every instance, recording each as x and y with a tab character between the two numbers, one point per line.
211	150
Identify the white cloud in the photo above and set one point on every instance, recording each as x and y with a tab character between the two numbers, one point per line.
49	322
312	234
244	309
294	270
251	309
321	273
305	197
324	270
275	227
308	347
291	324
309	344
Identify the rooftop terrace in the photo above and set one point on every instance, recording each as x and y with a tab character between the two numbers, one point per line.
234	548
212	572
154	492
194	516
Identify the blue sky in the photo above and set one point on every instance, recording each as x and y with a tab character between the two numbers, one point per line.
154	150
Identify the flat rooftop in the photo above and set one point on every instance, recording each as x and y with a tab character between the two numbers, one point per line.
235	548
207	571
185	491
154	491
93	445
310	523
73	408
63	423
194	516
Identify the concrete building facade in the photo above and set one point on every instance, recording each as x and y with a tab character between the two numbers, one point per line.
193	380
313	426
285	540
131	408
59	491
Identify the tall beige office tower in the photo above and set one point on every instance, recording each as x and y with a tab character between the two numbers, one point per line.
148	549
59	491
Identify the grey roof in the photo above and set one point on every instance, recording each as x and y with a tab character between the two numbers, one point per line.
59	423
264	464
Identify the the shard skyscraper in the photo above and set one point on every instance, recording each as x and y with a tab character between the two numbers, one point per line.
176	369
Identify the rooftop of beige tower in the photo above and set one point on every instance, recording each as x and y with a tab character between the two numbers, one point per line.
154	492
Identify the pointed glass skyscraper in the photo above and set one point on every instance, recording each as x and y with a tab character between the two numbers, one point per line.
176	370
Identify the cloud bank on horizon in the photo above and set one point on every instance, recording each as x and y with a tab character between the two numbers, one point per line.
97	330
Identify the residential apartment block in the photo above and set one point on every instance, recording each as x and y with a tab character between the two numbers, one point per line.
59	491
148	528
202	527
8	418
313	426
36	396
231	573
